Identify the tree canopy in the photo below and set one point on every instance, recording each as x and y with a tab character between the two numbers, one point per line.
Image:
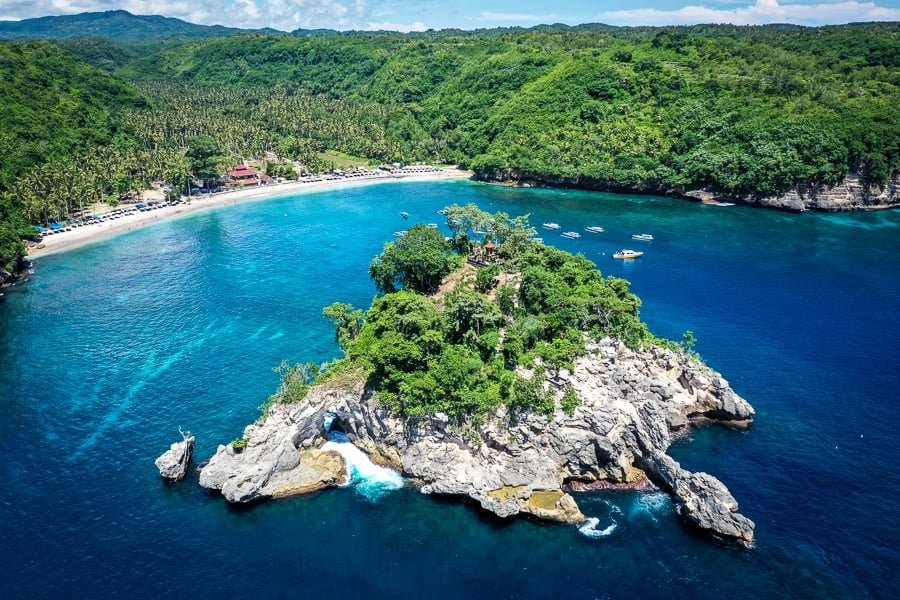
417	261
457	352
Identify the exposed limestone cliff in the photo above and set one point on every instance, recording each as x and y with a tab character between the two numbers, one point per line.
272	465
632	405
850	194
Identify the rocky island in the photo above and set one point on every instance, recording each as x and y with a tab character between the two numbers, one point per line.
498	369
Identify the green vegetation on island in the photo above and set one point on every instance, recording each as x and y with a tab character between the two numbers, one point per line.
437	341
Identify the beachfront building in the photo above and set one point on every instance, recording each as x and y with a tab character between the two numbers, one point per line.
242	175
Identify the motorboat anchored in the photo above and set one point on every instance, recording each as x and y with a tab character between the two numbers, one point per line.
404	214
572	235
550	225
626	254
642	237
594	229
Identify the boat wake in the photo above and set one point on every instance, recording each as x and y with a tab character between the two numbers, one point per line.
370	480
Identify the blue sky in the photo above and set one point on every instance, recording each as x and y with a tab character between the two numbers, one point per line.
413	15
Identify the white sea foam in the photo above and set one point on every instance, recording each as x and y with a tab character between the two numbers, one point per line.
370	480
589	528
652	504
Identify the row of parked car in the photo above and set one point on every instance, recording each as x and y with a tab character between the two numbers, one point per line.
112	215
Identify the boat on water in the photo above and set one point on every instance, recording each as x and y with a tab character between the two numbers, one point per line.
594	229
722	203
572	235
642	237
433	225
626	254
399	233
550	225
404	214
443	211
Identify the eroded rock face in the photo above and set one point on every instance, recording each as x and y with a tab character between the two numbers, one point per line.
173	463
633	404
702	500
850	194
271	465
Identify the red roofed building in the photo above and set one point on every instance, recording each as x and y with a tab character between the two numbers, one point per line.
242	175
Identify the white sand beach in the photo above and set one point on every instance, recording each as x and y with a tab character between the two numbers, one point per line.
67	240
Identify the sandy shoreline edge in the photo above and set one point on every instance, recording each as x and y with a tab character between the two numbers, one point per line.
81	236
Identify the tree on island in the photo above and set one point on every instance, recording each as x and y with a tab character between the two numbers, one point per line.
347	320
513	235
418	261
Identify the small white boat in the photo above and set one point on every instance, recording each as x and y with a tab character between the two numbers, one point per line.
404	214
432	225
443	211
627	254
539	240
399	233
642	237
572	235
722	203
594	229
550	225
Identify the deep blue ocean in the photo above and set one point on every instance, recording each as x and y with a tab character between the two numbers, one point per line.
110	348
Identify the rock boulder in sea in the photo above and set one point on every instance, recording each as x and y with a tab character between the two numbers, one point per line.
632	405
173	463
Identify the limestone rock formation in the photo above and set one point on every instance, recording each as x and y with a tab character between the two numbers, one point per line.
272	465
173	463
850	194
633	404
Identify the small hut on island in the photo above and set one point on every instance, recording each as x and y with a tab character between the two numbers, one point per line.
481	255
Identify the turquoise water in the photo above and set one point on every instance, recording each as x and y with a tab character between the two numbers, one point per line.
112	347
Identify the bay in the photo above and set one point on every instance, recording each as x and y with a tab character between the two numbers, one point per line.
111	347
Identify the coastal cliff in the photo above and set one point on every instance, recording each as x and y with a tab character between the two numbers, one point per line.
850	194
633	404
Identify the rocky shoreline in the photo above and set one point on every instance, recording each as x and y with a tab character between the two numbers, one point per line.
17	275
633	404
851	194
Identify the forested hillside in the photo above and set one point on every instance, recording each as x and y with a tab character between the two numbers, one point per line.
54	105
115	24
753	110
740	109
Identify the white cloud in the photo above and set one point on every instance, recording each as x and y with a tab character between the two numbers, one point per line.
763	11
404	28
525	17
